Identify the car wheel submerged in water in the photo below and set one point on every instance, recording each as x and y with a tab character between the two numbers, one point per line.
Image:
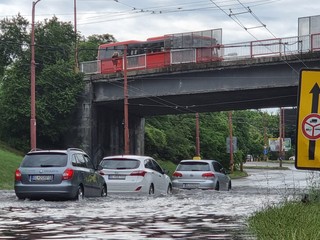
80	194
104	191
151	189
57	175
217	188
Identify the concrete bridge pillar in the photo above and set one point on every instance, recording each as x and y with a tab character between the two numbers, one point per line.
101	129
108	133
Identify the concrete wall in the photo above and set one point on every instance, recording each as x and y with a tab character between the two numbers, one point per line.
100	129
108	133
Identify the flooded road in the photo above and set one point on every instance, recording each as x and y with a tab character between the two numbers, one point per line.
183	215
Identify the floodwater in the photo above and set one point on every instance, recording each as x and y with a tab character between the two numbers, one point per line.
186	214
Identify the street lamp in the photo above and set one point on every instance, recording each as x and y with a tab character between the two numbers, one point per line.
33	123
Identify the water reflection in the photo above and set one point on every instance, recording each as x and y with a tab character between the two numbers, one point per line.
185	215
196	227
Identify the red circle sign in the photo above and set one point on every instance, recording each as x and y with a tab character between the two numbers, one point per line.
311	126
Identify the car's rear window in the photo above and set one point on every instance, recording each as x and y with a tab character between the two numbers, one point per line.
193	166
120	163
45	160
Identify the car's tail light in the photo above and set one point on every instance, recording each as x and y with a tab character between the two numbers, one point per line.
18	175
208	175
102	173
67	174
138	173
177	174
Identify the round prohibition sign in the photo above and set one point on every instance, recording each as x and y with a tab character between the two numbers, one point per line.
311	126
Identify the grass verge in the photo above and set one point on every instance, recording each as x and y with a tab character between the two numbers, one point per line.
9	162
238	174
266	167
291	221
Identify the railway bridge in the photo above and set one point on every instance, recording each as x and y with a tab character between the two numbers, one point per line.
236	83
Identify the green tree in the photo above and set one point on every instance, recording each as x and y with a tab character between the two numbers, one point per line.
57	85
173	137
176	140
213	133
88	47
14	38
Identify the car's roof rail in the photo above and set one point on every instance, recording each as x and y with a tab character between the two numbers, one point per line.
75	149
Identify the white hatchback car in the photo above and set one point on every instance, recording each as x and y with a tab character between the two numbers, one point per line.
134	174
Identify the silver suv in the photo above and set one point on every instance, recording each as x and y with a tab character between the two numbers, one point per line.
58	174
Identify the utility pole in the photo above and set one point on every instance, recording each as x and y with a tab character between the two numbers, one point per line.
33	122
231	142
197	137
265	143
76	36
125	93
280	137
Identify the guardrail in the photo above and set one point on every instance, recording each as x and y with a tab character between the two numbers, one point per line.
226	52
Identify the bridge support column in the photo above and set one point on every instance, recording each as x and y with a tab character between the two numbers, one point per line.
100	130
85	114
108	135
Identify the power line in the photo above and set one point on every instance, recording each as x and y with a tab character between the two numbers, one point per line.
235	19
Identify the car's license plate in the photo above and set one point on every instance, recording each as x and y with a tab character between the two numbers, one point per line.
190	185
38	178
116	177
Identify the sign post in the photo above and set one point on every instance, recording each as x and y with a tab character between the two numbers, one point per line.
308	121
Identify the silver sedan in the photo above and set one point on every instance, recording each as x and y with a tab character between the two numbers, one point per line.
202	174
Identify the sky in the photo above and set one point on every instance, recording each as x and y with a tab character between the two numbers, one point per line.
141	19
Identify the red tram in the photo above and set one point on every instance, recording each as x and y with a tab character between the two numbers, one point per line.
163	51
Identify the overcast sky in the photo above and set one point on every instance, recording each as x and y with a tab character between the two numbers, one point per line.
138	20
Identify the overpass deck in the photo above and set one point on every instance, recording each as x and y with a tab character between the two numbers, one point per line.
265	75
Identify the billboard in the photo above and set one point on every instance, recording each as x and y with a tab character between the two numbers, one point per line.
234	144
274	144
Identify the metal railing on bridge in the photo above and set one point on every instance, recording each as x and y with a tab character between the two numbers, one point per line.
226	52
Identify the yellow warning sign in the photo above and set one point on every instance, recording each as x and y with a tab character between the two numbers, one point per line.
308	120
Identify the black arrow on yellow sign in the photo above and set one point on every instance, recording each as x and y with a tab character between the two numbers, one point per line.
314	109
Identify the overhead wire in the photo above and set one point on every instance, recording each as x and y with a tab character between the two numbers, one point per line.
246	29
257	18
136	10
156	99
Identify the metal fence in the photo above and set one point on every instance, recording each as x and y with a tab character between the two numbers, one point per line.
91	67
182	56
227	52
136	61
